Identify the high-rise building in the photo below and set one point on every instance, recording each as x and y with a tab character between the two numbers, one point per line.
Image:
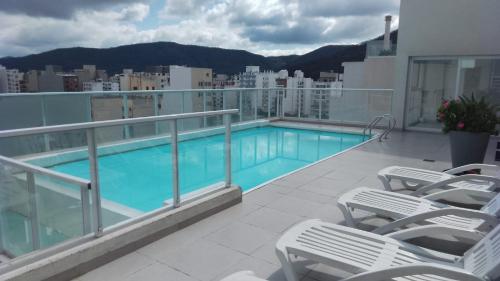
11	80
31	81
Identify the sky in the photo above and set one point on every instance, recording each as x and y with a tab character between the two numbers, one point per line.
267	27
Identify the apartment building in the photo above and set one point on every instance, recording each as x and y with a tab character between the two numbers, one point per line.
293	99
330	76
11	80
99	86
31	80
70	82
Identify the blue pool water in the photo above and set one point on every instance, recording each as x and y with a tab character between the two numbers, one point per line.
142	179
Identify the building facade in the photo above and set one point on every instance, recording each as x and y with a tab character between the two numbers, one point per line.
446	49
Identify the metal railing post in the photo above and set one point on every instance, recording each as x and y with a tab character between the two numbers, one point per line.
155	112
241	105
255	106
320	106
86	214
299	97
46	138
34	219
204	109
88	100
175	163
125	115
278	94
94	179
227	149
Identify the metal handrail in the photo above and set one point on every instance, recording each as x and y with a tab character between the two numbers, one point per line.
97	222
144	92
30	171
391	124
43	171
370	126
107	123
388	130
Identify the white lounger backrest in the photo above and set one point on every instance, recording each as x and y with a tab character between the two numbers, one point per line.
484	258
493	206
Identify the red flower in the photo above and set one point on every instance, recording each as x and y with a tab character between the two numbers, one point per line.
460	125
446	104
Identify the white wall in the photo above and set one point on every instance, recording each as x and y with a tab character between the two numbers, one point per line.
379	72
354	73
443	28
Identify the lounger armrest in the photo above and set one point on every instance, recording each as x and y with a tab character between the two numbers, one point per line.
473	193
469	167
446	182
467	213
426	230
415	269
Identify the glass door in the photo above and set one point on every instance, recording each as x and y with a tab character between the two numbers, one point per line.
431	82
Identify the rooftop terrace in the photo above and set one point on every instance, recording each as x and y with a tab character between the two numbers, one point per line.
243	237
189	234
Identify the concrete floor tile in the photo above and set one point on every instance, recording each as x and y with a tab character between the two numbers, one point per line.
241	237
262	196
296	206
158	272
203	260
271	220
119	268
261	268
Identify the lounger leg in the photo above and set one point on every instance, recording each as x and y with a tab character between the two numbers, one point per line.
349	220
386	182
286	265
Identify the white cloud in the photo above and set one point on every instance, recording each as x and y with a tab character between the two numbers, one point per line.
272	27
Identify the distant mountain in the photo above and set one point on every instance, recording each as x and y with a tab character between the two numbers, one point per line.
139	56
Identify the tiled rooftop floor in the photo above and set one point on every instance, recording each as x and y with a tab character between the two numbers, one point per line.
243	237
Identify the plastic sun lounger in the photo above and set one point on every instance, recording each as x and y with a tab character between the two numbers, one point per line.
422	181
406	209
373	257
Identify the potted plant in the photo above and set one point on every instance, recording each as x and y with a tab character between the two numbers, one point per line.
470	122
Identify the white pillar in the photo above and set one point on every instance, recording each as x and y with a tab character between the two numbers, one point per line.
387	34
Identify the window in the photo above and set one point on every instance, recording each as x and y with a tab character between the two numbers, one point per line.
434	79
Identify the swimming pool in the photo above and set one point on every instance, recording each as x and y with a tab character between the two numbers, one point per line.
142	179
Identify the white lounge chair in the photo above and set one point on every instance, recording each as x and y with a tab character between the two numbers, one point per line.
373	257
423	181
405	210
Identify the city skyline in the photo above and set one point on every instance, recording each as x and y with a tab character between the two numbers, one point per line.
262	27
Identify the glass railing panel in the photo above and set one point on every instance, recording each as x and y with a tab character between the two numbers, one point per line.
66	108
108	107
38	210
248	110
15	219
355	106
232	101
213	101
23	111
60	212
135	174
141	105
293	103
201	160
261	105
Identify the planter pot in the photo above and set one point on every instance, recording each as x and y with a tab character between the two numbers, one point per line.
468	148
